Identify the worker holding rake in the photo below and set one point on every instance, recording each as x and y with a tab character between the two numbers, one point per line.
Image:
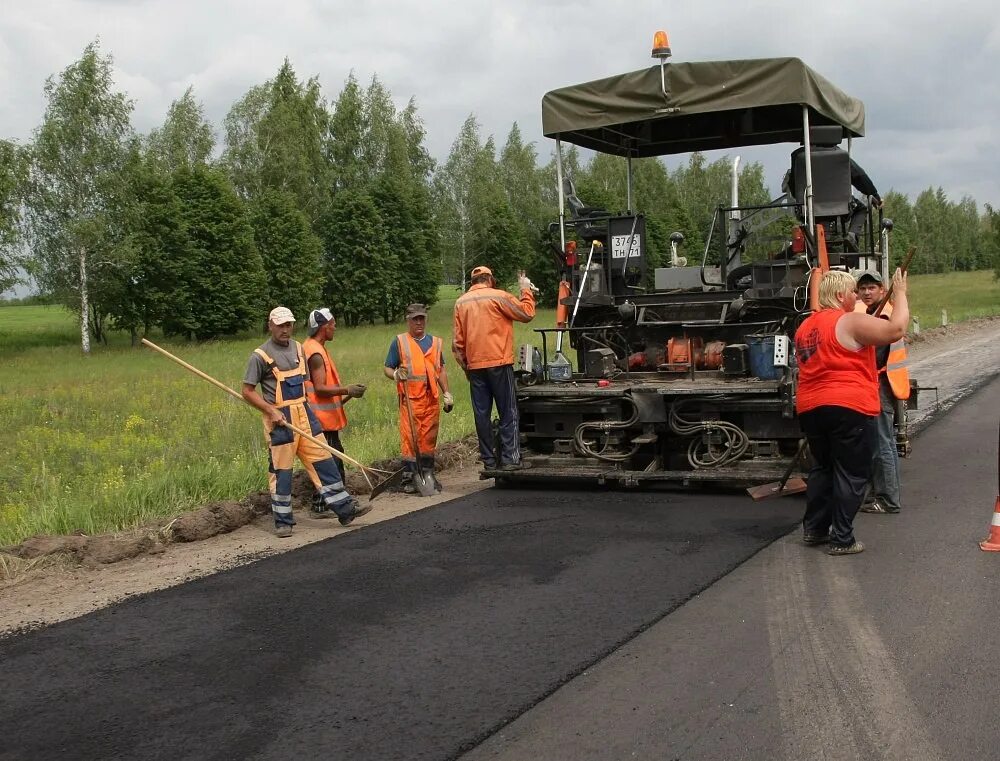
278	366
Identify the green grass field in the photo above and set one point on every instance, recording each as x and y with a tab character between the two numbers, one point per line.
966	295
124	436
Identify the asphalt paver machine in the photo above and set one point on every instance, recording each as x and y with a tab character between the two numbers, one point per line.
686	372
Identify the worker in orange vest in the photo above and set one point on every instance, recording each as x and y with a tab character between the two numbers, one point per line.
326	395
484	347
893	384
416	362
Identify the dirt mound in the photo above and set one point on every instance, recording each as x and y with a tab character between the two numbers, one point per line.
216	518
87	550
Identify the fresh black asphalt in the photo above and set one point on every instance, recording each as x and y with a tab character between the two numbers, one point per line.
414	638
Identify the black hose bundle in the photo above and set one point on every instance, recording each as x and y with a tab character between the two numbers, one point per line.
701	452
606	427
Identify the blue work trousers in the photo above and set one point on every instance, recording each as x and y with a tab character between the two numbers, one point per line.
885	468
489	385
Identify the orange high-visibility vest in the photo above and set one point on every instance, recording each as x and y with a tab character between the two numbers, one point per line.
896	365
422	368
329	410
896	370
289	389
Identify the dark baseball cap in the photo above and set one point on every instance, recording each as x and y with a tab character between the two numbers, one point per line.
416	310
870	275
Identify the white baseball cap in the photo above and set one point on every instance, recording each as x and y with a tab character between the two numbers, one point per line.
281	315
318	318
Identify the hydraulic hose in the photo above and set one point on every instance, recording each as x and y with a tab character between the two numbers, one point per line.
606	427
701	453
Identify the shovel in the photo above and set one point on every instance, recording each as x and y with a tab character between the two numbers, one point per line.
787	485
423	481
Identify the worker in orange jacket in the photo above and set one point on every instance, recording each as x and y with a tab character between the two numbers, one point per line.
484	347
416	362
324	391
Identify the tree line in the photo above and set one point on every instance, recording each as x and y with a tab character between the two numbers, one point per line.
310	202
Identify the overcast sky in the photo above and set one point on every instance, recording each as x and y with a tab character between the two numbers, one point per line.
926	72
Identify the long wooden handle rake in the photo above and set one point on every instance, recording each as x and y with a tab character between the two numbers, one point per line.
365	470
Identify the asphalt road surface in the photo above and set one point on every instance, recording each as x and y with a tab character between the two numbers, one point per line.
506	623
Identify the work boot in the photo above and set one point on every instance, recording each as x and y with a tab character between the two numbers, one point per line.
878	508
407	483
815	538
849	549
515	465
356	511
282	531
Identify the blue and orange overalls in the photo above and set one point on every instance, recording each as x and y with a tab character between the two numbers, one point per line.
285	444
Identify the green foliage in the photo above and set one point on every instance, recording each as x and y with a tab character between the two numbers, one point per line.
344	145
404	209
13	178
150	283
275	138
186	138
458	187
292	255
500	242
359	287
224	275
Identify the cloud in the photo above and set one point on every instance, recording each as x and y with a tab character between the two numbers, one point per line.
924	71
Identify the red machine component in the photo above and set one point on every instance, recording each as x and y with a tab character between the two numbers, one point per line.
798	241
682	353
571	253
712	357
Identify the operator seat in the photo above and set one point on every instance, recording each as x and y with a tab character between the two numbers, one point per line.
580	213
831	173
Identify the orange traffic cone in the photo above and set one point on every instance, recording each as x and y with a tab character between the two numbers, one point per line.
992	542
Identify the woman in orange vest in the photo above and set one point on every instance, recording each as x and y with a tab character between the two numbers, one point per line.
837	403
416	362
326	395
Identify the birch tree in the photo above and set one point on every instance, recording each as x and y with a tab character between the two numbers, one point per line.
13	175
77	160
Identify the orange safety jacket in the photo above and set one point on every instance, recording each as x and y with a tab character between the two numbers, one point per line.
484	333
329	410
422	368
289	389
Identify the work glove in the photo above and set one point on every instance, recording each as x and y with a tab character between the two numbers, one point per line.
449	401
400	373
524	283
356	390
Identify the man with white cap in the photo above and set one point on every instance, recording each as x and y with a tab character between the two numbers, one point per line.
279	367
324	391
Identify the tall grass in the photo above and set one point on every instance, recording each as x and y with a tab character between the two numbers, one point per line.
123	436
